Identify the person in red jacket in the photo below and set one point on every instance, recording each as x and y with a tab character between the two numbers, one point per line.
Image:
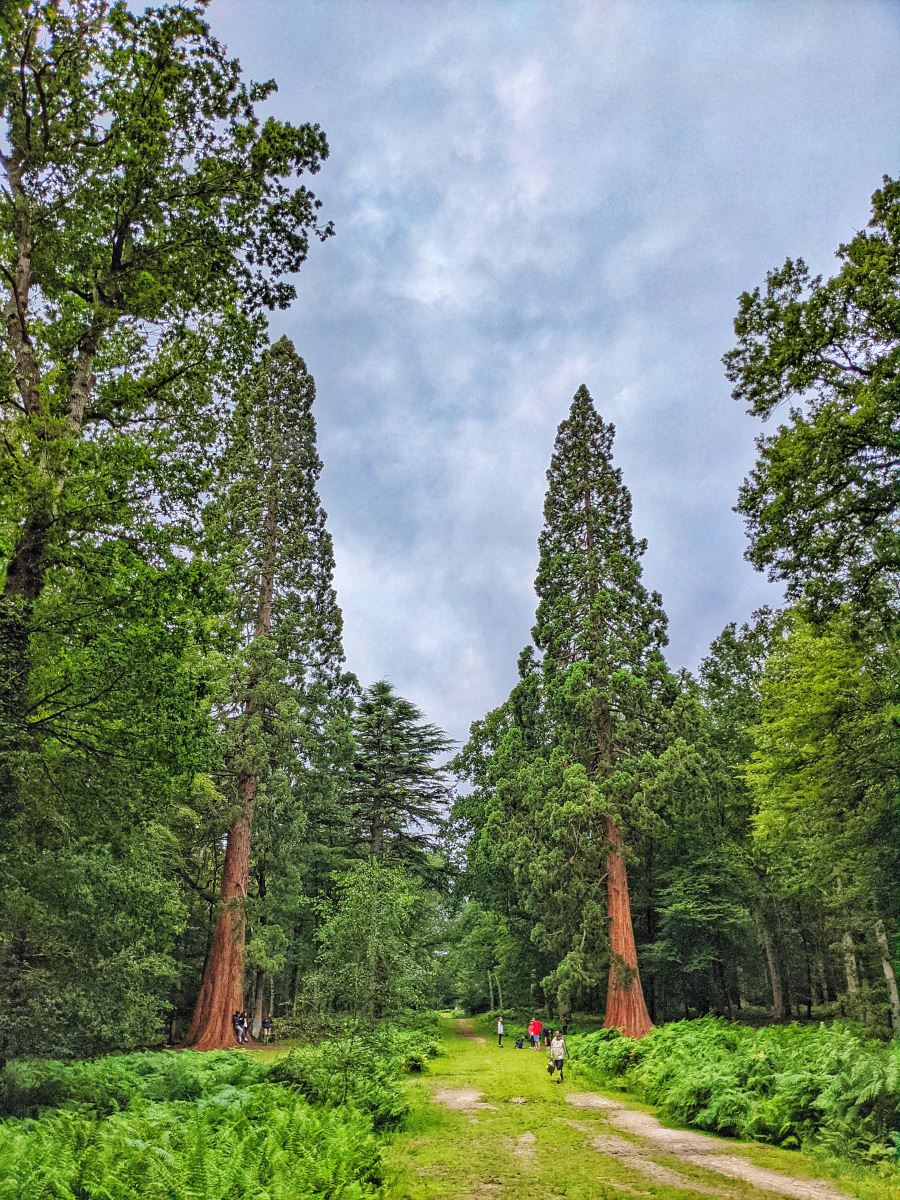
534	1032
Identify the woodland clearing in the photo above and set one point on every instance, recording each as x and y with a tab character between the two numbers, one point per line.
489	1122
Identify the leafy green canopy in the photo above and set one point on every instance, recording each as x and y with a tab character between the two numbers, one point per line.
823	772
144	205
821	501
479	949
376	947
267	528
121	686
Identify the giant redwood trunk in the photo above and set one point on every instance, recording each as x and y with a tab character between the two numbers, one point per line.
626	1009
222	989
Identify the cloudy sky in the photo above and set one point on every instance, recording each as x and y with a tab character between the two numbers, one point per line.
528	195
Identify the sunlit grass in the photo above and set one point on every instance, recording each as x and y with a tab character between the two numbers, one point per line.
447	1155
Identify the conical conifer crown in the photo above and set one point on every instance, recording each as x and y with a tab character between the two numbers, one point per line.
600	630
275	517
592	603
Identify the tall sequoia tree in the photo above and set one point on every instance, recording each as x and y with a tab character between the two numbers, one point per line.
270	516
143	205
605	680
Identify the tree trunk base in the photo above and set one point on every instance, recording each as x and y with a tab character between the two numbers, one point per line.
626	1009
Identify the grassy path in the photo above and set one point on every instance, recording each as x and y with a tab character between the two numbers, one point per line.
488	1122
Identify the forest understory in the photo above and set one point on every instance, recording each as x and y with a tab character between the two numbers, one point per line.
213	831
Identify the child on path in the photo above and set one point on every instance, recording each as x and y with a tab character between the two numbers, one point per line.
500	1032
558	1053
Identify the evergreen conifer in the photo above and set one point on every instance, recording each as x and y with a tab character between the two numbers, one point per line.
400	798
606	685
269	521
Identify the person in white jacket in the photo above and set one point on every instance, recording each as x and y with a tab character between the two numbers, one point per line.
500	1032
558	1053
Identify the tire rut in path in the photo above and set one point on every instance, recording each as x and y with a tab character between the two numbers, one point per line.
467	1031
696	1149
631	1155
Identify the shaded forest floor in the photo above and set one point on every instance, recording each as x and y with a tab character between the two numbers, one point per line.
488	1122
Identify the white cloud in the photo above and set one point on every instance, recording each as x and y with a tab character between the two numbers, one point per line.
528	196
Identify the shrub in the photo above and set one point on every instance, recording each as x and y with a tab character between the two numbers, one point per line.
260	1140
831	1086
413	1048
355	1071
106	1085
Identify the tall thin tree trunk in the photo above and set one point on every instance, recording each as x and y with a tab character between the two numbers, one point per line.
499	990
889	974
626	1009
848	950
491	989
784	959
810	990
822	974
774	970
650	884
14	639
259	1003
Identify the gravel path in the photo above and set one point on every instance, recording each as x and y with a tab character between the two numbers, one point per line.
698	1149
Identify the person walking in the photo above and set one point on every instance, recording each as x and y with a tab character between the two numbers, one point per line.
500	1032
534	1032
558	1053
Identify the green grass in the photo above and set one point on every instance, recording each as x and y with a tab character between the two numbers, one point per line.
448	1155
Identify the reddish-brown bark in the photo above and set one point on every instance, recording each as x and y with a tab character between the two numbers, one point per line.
626	1009
222	989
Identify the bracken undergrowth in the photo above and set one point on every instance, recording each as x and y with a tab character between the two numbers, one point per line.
826	1086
